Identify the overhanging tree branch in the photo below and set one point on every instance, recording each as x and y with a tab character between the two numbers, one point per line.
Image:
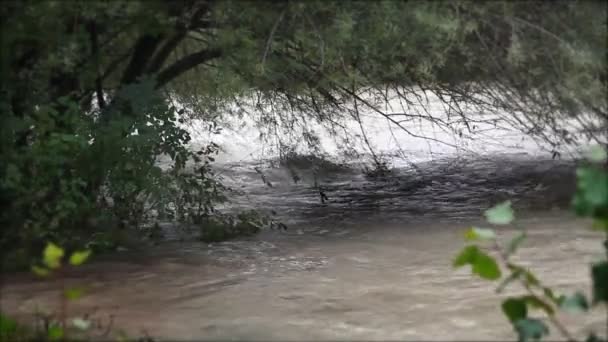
184	64
164	52
143	51
196	22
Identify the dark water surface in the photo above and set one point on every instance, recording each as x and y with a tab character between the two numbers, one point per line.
450	189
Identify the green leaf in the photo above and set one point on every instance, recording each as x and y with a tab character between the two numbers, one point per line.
475	233
481	263
500	214
530	329
466	256
74	293
79	257
515	309
592	186
52	255
486	267
40	271
596	154
515	242
8	326
599	275
581	206
55	333
81	323
575	303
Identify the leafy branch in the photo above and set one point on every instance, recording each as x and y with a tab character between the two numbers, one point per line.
591	200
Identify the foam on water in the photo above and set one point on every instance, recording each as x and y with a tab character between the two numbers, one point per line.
412	140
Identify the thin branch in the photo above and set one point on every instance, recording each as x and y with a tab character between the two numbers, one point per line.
358	117
542	30
271	36
393	120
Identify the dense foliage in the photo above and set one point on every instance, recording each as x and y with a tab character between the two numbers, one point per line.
94	94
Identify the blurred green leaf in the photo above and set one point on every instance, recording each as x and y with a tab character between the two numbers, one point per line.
79	257
52	255
55	333
486	267
596	154
599	275
40	271
8	326
466	256
515	309
531	329
581	206
475	233
481	263
575	303
593	186
74	293
500	214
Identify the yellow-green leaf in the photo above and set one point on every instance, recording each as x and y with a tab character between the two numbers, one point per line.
600	224
481	263
40	271
475	233
79	257
55	333
74	293
52	255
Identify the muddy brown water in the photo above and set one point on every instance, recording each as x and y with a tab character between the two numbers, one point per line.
347	270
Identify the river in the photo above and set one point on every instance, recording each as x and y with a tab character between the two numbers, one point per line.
373	262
